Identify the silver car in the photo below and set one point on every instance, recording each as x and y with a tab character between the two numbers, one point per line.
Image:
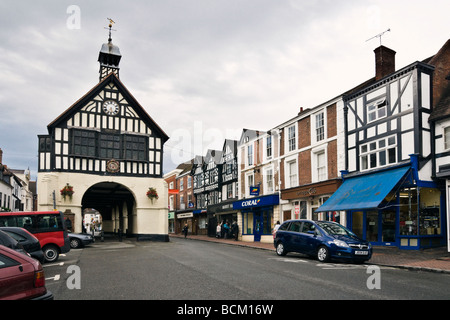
79	240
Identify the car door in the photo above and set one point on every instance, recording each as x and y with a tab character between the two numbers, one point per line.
310	238
293	236
14	276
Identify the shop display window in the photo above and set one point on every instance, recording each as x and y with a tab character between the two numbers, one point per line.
247	221
408	211
429	213
420	211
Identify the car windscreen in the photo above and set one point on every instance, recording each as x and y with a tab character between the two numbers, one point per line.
335	229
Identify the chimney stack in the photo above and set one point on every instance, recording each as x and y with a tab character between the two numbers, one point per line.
1	156
384	62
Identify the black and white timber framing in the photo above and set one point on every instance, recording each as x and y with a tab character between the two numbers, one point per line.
386	121
88	138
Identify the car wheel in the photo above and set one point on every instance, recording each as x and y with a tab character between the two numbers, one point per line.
281	251
75	243
51	253
323	254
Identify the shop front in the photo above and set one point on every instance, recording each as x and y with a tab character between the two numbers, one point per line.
392	207
220	213
257	215
303	201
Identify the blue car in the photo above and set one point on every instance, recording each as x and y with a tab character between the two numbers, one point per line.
324	240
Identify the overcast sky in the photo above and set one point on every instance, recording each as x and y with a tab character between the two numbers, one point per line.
202	69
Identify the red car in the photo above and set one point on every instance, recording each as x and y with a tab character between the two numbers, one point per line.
21	277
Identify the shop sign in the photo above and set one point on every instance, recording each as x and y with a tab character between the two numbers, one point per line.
256	202
185	215
297	211
254	191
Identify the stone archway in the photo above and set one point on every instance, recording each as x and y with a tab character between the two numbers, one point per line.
116	204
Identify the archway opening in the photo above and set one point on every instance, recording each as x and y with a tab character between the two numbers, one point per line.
115	203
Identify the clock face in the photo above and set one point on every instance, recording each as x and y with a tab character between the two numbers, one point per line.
110	107
112	166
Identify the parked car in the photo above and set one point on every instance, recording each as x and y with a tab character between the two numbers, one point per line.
47	226
21	277
324	240
29	242
79	240
11	243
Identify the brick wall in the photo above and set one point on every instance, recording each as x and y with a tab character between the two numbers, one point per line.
304	167
304	132
331	121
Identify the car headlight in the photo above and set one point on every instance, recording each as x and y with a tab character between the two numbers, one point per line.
340	243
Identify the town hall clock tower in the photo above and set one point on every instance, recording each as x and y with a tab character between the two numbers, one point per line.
110	151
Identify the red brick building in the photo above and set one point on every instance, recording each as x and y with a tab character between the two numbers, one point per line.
309	161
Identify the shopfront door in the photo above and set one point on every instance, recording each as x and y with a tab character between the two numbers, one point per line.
380	226
257	226
358	223
372	226
388	219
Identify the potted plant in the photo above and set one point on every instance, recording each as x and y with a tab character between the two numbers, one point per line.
152	194
67	191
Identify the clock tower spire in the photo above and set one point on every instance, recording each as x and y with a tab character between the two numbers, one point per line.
109	56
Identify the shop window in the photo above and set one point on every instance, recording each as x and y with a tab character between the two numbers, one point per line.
429	213
420	211
267	222
303	210
357	223
408	211
247	222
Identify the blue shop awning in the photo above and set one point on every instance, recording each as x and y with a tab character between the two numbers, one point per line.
364	192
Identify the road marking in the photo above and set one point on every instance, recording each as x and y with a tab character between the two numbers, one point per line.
288	260
55	278
53	264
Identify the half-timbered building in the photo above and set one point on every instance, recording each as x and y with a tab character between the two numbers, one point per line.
108	149
388	191
222	210
440	121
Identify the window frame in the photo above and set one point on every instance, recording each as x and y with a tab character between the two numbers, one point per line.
378	105
377	153
319	129
291	138
446	135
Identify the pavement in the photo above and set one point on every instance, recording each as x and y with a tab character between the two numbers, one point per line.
433	259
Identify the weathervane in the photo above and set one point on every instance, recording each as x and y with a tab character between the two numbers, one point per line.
379	35
111	22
